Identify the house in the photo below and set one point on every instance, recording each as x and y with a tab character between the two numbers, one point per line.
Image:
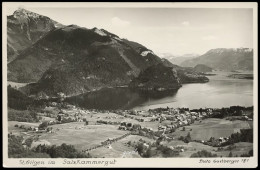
193	113
123	123
146	145
221	139
185	122
61	95
187	113
162	127
204	114
136	126
245	117
193	117
122	128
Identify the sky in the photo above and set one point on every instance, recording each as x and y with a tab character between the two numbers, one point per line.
176	31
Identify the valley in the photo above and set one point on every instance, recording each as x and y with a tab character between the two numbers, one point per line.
104	133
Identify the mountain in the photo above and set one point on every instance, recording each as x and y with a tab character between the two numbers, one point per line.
186	74
74	60
202	68
25	28
224	59
189	75
178	59
167	63
147	54
157	77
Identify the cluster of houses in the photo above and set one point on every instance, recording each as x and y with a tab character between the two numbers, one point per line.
214	142
129	126
36	129
169	120
75	116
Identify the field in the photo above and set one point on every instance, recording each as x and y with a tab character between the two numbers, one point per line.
93	117
212	128
20	132
13	129
12	123
87	136
193	147
82	137
120	148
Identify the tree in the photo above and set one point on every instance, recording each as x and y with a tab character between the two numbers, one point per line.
16	149
251	152
29	142
140	148
187	139
230	154
59	118
203	154
43	125
148	153
62	151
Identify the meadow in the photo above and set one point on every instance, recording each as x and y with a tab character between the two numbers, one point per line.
212	127
193	147
81	136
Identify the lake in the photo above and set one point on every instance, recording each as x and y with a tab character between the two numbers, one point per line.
220	91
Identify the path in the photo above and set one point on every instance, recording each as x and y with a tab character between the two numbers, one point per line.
112	141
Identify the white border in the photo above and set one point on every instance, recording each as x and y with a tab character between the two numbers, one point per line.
133	162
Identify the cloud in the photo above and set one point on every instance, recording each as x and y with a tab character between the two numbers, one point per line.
185	23
210	37
119	22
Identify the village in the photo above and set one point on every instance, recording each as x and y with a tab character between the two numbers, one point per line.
159	126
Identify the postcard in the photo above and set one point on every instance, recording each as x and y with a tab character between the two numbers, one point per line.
130	84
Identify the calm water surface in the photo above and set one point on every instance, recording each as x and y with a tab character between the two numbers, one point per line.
220	91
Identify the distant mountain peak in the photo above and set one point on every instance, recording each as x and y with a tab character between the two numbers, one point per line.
23	15
224	59
21	12
25	28
221	50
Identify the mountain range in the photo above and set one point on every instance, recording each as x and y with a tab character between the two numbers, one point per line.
224	59
178	59
53	58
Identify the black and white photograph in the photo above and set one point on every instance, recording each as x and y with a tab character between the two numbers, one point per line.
108	82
